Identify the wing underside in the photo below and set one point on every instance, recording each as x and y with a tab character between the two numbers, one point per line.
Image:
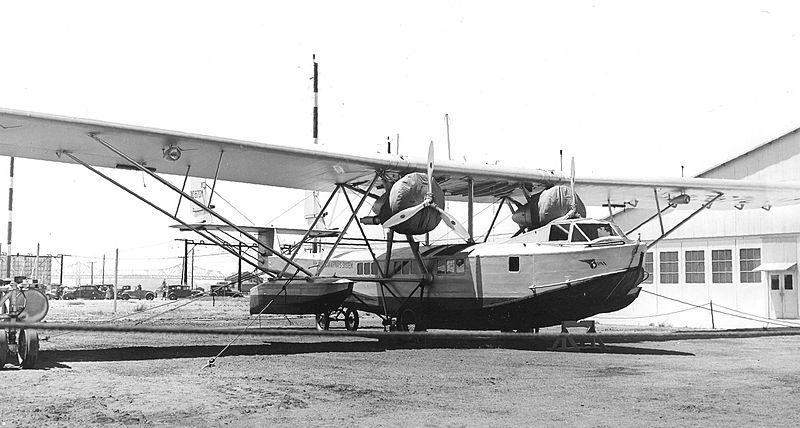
47	137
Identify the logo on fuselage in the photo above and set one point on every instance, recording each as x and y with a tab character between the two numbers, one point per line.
593	263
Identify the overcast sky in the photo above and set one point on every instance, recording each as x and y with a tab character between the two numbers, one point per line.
629	88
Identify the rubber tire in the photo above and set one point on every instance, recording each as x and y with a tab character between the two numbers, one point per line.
351	319
410	318
149	297
323	321
172	297
126	297
3	348
28	347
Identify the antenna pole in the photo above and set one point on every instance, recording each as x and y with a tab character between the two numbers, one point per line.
316	96
10	206
447	125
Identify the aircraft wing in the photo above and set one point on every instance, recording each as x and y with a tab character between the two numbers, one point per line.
308	167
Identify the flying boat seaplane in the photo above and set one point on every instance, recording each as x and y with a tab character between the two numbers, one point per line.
559	266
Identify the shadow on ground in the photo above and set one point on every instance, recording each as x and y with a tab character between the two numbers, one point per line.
60	358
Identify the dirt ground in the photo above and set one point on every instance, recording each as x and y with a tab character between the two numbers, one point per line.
86	379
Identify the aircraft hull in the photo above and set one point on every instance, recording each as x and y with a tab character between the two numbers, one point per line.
583	299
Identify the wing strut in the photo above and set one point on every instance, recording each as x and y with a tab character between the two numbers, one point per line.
689	217
657	214
211	237
192	200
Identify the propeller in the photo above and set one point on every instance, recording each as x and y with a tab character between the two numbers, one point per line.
409	212
573	199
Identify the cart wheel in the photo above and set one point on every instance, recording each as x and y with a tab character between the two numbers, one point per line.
28	348
351	319
3	348
323	321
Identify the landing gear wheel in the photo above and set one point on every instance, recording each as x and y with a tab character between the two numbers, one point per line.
28	347
3	348
410	321
323	321
351	319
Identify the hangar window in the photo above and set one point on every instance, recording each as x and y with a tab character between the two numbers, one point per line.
513	264
721	266
749	259
648	267
695	267
668	266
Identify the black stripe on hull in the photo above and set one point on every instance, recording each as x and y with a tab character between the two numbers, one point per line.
579	301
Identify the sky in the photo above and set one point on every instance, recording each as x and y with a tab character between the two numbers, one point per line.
629	88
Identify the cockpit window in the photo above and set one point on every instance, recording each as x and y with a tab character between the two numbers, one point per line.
558	233
596	230
577	236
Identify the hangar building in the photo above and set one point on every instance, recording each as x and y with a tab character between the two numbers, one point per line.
741	263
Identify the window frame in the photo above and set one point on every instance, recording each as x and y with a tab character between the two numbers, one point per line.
718	275
693	275
663	273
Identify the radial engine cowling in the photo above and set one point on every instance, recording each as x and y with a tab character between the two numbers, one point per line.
407	192
547	206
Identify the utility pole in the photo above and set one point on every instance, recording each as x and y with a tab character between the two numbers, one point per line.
103	281
240	266
91	273
184	276
116	277
61	274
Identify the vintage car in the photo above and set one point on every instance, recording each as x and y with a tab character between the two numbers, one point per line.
179	291
126	293
91	292
225	290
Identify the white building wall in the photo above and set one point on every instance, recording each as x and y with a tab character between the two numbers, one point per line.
666	304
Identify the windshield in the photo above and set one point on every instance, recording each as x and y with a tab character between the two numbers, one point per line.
592	231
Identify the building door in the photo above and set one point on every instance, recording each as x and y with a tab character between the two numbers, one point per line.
783	292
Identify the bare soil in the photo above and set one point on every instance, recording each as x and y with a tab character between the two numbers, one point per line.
87	379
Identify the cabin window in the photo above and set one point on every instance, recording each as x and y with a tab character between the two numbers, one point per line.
749	259
695	267
359	268
577	236
398	266
596	230
441	266
648	267
721	266
375	269
513	264
406	269
459	265
668	266
558	233
451	266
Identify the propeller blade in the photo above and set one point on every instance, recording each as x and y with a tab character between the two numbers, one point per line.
572	186
452	223
405	214
430	168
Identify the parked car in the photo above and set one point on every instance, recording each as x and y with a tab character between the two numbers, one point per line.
55	293
126	293
180	291
225	290
91	292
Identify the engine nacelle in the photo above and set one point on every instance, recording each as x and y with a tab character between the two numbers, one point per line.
407	192
547	206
